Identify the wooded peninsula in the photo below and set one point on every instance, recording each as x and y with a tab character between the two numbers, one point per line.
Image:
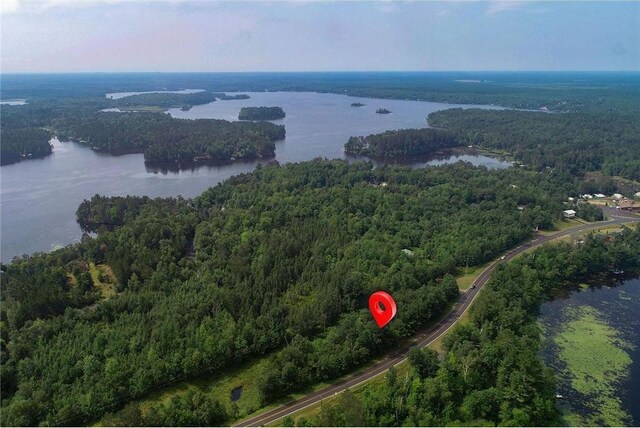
400	143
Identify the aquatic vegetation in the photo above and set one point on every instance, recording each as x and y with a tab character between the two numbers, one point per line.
596	360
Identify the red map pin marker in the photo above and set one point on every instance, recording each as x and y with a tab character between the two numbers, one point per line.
382	307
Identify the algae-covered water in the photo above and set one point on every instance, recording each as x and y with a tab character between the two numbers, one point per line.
592	342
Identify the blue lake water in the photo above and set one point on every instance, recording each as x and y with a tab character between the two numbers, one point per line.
40	196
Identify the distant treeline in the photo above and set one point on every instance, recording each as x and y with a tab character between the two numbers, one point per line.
23	143
261	113
403	142
225	97
162	138
570	91
570	142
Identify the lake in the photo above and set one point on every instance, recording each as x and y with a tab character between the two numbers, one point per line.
592	343
40	196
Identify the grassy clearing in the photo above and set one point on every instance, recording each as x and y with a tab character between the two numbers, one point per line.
103	279
596	359
72	280
563	225
219	386
469	275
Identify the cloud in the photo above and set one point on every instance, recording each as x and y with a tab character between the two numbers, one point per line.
8	6
14	6
503	6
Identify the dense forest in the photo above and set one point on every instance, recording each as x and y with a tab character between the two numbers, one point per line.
403	142
490	373
163	138
279	262
261	113
571	142
23	143
556	91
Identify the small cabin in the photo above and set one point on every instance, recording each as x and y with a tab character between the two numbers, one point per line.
568	214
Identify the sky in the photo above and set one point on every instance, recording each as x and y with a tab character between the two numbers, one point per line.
314	35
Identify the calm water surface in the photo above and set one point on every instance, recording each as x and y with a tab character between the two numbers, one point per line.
618	303
39	197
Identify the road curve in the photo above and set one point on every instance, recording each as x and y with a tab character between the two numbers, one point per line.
424	337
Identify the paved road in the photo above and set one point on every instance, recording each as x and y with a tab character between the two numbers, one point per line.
425	337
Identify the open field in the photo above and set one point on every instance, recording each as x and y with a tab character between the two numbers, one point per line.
564	225
103	279
469	275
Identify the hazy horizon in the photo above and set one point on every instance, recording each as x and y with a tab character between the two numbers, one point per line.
167	36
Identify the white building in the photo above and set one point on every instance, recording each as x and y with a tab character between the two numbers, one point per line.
617	196
587	196
568	213
637	195
599	195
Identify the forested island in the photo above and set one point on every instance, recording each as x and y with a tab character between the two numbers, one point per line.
261	113
574	142
383	111
399	143
162	138
23	143
313	239
357	105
